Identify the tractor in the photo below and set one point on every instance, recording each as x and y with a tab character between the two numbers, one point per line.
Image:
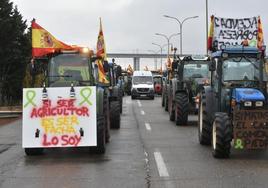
115	96
127	79
191	74
158	84
71	69
233	108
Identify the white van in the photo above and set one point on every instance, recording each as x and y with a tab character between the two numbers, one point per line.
142	84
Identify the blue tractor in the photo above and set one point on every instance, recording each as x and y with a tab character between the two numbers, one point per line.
234	106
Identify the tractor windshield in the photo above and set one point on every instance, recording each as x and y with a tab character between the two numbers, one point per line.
69	68
195	70
241	69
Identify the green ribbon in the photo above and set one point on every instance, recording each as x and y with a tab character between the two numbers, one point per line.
239	144
30	95
85	93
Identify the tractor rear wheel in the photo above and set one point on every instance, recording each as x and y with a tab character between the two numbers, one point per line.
115	114
163	100
181	109
204	125
221	136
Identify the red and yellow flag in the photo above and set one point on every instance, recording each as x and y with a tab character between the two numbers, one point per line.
260	41
101	52
211	33
44	43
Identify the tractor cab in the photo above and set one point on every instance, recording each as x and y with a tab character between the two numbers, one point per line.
238	77
194	71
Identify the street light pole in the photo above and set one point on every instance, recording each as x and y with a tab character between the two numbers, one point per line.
180	23
168	39
161	51
155	60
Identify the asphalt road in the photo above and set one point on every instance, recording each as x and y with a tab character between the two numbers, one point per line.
148	151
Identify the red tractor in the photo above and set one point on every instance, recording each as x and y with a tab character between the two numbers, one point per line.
158	84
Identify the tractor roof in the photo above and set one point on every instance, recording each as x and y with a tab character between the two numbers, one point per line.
194	58
236	50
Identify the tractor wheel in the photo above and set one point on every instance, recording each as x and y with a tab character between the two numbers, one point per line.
34	151
163	100
204	125
171	111
107	121
181	109
101	135
221	136
166	103
115	114
121	101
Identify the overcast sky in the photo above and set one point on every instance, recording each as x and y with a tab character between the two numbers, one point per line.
130	25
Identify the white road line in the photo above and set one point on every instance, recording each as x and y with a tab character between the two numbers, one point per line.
139	103
162	169
148	126
142	112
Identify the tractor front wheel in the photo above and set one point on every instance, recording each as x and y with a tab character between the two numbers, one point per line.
115	114
221	136
34	151
101	136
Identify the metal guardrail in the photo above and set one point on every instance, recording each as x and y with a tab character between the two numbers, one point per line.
10	114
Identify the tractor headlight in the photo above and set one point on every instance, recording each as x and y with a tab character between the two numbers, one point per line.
259	103
247	103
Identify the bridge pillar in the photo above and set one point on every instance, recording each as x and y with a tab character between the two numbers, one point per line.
136	63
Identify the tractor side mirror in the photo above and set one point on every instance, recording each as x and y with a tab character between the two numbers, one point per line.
106	66
38	66
212	65
95	58
174	66
118	71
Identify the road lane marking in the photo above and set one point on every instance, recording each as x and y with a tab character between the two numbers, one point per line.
148	126
162	169
139	103
142	112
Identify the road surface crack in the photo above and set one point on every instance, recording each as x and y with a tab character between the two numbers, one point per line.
146	154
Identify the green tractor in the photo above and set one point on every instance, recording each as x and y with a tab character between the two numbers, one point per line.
127	80
234	106
72	69
191	74
115	96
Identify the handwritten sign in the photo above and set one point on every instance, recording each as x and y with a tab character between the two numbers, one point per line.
228	31
250	129
59	120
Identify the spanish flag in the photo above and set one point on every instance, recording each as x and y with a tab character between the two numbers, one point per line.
211	33
101	52
260	34
44	43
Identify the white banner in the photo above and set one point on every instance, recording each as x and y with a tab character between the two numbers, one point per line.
59	120
228	31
